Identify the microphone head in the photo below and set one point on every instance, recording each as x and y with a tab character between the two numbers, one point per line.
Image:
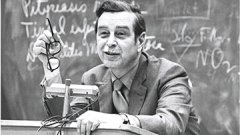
67	82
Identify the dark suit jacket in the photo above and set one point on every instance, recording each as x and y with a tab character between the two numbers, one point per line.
160	96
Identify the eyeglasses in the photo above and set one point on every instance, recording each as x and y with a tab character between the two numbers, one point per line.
52	49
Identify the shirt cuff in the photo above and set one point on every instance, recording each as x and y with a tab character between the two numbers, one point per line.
134	121
52	76
47	80
43	85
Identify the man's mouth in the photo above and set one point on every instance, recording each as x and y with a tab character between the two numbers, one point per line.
112	53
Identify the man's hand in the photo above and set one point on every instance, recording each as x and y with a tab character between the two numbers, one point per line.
90	120
39	49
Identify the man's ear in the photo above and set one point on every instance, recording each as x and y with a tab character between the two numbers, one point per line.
141	41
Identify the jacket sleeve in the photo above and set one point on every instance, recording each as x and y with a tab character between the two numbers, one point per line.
174	104
52	104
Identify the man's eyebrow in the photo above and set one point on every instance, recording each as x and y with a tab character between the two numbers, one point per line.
123	27
102	27
118	27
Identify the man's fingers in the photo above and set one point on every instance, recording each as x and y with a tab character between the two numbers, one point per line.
39	50
39	47
43	58
43	38
88	128
48	36
83	128
95	125
78	125
88	122
57	37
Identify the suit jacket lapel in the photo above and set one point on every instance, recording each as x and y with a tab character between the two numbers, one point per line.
138	90
105	96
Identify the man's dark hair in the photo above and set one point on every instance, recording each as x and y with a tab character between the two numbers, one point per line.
119	6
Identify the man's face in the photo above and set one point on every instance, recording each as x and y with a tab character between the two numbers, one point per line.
116	44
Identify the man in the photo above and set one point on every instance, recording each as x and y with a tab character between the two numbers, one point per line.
137	89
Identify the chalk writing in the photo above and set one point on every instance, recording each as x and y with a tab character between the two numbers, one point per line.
91	48
33	29
31	58
30	55
85	29
96	4
30	9
80	28
27	26
186	38
202	56
70	51
216	58
183	40
210	34
152	44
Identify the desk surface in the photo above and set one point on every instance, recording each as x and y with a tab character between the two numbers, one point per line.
21	127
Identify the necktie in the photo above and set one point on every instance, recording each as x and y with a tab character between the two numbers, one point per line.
119	101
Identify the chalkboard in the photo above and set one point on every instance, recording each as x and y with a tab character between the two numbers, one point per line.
201	35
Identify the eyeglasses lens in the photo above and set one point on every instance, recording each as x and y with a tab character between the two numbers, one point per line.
54	63
55	48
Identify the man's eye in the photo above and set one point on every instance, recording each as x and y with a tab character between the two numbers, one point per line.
120	34
104	34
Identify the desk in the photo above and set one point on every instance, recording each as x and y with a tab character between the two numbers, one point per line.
20	127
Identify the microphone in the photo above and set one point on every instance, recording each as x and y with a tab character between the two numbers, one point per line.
66	97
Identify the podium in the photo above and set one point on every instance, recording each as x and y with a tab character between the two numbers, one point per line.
20	127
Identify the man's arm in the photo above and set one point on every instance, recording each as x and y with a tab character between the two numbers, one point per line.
174	104
39	49
172	112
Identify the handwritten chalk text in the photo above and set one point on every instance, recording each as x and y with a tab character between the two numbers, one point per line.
216	58
45	9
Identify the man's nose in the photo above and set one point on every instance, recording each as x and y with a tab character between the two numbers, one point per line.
111	41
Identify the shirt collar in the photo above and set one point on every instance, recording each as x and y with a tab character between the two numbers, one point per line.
128	77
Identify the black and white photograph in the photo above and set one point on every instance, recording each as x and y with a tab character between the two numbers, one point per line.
120	67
